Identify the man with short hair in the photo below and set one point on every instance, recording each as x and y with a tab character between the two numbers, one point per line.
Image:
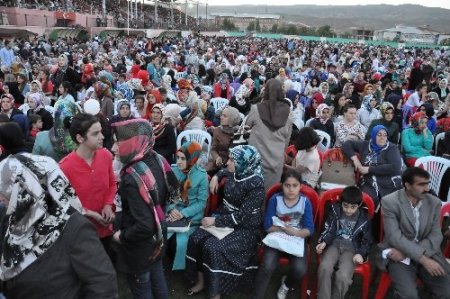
413	236
7	56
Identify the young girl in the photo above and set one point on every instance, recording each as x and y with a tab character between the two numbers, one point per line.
192	202
294	211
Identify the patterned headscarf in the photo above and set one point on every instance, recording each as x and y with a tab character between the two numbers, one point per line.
59	134
192	151
158	129
366	102
247	162
37	99
241	94
135	140
33	184
386	106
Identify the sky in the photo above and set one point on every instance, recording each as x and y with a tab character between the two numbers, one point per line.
429	3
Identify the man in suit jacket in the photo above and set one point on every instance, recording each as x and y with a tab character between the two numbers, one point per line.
413	237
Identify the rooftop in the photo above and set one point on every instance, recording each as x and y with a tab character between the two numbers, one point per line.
246	15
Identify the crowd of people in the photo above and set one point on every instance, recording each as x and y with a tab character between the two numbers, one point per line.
94	181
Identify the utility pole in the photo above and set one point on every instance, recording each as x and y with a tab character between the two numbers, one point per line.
185	13
156	12
171	12
197	15
206	14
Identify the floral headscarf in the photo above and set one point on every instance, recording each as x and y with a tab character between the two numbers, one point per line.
192	151
247	162
241	94
59	134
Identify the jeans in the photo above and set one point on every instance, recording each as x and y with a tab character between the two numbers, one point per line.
270	263
151	284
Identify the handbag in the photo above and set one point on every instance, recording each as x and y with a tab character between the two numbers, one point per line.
337	169
242	134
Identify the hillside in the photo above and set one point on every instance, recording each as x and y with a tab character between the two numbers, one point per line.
342	17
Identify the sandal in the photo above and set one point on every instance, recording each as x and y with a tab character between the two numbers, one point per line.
190	292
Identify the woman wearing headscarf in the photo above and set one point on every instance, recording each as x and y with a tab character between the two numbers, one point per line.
147	183
65	72
164	132
379	163
44	236
428	109
396	101
220	266
271	129
123	110
56	143
323	121
367	113
223	138
417	141
36	105
194	114
387	120
103	91
442	89
192	202
241	99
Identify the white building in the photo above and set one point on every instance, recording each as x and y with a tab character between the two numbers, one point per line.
408	34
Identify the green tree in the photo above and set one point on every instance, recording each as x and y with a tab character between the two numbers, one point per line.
274	28
325	31
257	26
228	25
251	26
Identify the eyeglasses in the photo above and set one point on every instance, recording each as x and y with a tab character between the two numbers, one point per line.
382	135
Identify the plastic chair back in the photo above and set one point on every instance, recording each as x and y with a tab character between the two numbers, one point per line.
324	135
436	167
438	138
198	136
219	103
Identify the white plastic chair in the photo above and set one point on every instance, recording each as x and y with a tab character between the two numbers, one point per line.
438	138
436	167
198	136
219	103
179	75
324	135
308	122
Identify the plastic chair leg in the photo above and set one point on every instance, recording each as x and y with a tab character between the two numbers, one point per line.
383	286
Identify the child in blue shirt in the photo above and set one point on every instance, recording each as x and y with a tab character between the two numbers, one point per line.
295	211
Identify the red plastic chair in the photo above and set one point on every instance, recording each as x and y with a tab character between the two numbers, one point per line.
214	200
363	270
445	211
284	261
385	280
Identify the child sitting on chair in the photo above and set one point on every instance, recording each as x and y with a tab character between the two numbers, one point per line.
345	242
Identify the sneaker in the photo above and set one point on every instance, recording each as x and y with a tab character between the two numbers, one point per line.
283	290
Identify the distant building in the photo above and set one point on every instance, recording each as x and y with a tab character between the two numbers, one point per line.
407	34
243	20
361	33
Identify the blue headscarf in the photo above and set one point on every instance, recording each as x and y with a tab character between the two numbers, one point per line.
291	94
373	139
247	161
